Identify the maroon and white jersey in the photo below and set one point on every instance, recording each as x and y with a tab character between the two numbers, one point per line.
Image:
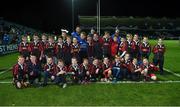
24	47
50	48
126	64
149	67
74	68
134	67
95	68
131	46
137	45
75	48
159	49
51	68
19	69
85	68
145	48
122	48
36	48
106	66
106	44
59	69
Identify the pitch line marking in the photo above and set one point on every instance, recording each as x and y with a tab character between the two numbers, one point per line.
5	71
175	74
119	82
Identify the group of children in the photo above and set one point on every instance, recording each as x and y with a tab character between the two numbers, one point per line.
82	58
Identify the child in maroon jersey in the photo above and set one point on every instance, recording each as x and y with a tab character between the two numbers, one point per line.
147	70
135	70
96	71
75	49
44	42
106	44
159	50
90	49
122	47
67	51
114	46
36	47
50	70
125	66
145	48
50	47
74	70
130	46
85	69
20	73
59	48
61	74
24	48
106	67
137	47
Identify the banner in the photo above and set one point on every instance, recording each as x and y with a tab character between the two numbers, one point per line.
5	49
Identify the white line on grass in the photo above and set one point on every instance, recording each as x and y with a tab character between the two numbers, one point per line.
175	74
140	82
5	71
119	82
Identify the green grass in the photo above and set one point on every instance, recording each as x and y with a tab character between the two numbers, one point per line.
172	59
97	94
6	61
172	56
94	94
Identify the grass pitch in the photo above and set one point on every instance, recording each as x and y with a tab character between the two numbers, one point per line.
96	94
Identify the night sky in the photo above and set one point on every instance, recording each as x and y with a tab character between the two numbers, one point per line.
47	15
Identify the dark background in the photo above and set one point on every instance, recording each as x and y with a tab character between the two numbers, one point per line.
50	15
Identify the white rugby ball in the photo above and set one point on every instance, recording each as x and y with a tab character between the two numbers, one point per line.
153	77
